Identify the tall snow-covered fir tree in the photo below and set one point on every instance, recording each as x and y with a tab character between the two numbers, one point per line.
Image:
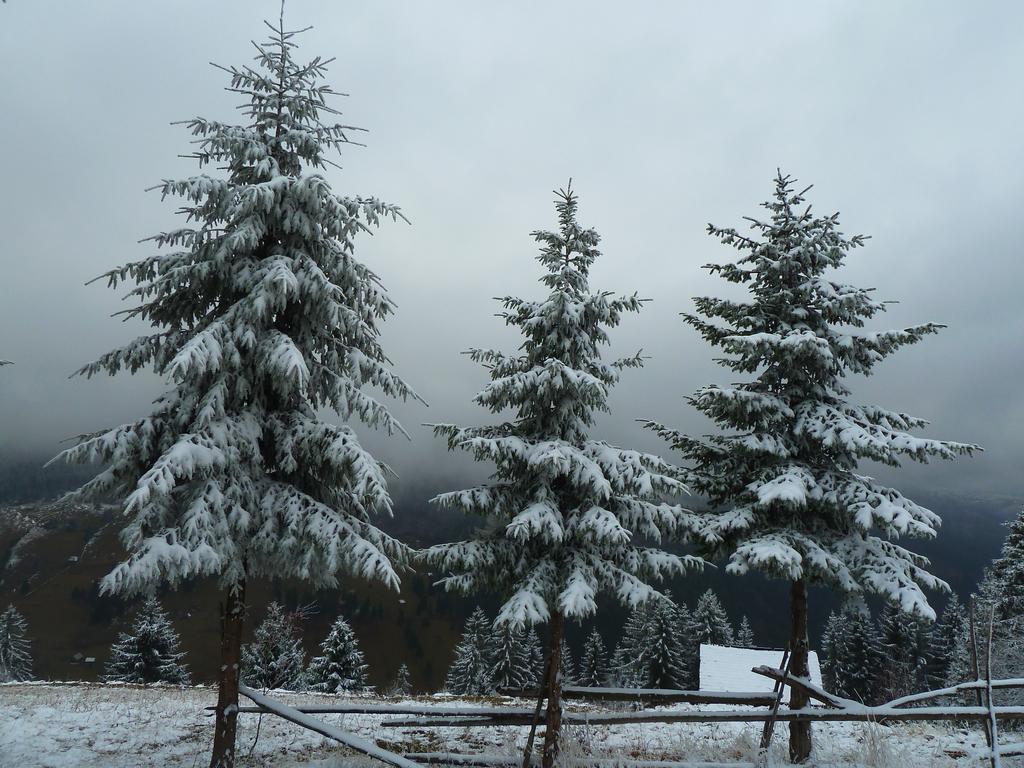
572	515
274	658
340	666
511	665
470	672
710	622
783	473
593	672
263	317
15	647
149	652
744	634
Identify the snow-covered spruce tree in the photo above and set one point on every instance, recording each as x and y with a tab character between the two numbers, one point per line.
470	672
783	472
403	682
593	672
149	651
15	647
511	665
274	658
574	515
744	635
710	622
340	665
263	318
851	654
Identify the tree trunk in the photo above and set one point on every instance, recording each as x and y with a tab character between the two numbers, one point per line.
227	680
553	720
799	731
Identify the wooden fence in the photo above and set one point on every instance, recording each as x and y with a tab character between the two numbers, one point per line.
761	708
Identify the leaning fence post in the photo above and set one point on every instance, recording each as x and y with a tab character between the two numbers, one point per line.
769	724
541	694
994	745
977	671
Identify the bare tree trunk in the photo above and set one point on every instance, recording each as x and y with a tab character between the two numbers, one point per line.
799	730
227	680
553	721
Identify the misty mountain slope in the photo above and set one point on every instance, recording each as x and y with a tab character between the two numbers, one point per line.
55	554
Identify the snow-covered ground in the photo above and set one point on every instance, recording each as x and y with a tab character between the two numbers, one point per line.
108	726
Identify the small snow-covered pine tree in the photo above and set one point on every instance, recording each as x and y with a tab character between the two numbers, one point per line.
15	647
470	672
783	472
340	666
744	635
149	651
572	515
593	671
851	654
403	682
274	658
263	318
511	665
711	622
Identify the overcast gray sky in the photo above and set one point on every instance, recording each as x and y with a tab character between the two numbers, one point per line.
906	117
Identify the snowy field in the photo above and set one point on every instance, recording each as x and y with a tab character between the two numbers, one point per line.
106	726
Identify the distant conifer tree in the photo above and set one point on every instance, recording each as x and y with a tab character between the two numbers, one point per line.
905	644
15	648
470	672
274	658
851	655
593	671
664	655
951	624
511	665
711	622
403	682
340	666
149	651
744	635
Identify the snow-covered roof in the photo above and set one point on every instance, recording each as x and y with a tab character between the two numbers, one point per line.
728	669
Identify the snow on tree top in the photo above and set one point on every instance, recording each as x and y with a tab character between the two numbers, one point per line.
723	668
